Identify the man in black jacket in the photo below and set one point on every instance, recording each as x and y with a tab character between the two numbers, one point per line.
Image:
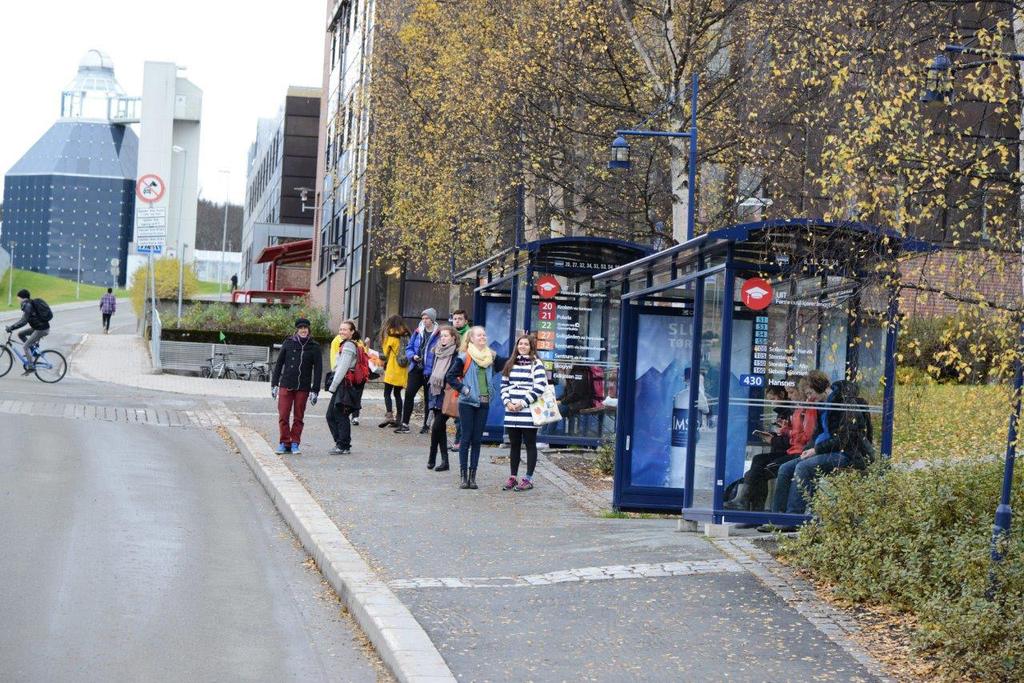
38	328
296	379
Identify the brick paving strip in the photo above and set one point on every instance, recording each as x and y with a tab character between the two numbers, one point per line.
801	596
632	571
399	639
83	411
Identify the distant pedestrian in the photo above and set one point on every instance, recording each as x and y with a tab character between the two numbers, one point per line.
444	355
394	342
108	306
421	362
523	381
298	371
234	282
350	374
472	375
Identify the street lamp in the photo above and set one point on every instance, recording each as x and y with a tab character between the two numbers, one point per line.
224	234
939	89
10	280
620	149
180	253
78	281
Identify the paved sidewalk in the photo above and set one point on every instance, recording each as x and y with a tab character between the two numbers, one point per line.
529	586
124	359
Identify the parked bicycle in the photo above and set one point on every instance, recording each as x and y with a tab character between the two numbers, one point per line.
50	365
218	367
254	371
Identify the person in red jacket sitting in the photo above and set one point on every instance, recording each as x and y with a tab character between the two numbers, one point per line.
787	443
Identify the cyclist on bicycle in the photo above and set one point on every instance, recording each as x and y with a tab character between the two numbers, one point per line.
37	322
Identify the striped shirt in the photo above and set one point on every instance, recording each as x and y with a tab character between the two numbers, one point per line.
525	384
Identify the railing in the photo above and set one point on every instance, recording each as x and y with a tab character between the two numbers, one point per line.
154	341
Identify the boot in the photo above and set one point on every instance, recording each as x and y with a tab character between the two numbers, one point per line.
472	479
431	460
389	421
742	499
465	481
443	467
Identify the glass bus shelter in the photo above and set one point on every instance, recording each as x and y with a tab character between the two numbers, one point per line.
718	336
546	288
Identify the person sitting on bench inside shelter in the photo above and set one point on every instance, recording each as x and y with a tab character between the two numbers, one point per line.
842	439
787	444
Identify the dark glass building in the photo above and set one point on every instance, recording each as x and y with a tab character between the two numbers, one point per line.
75	187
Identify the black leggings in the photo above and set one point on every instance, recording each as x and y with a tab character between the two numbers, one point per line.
439	436
417	381
517	436
397	391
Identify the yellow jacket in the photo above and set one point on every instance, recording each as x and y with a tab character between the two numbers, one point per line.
394	374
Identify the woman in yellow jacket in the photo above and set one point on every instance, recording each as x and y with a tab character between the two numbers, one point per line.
394	337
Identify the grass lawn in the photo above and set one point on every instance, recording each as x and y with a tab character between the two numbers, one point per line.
950	421
53	290
207	288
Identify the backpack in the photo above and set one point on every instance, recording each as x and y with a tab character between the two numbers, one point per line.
360	371
400	357
597	385
42	309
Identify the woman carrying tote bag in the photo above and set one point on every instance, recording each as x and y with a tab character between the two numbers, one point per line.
444	355
523	380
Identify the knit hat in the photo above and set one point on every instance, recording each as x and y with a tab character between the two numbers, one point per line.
430	313
302	322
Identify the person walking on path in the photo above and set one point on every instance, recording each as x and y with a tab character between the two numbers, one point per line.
108	306
444	355
421	362
472	375
394	341
295	380
523	380
346	387
37	315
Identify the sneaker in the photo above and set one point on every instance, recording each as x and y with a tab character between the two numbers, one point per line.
402	429
346	451
424	429
281	449
295	449
355	421
510	484
524	485
336	451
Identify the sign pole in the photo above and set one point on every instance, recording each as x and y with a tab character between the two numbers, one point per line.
78	284
10	280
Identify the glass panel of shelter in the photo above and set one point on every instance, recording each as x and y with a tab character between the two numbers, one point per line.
805	377
573	336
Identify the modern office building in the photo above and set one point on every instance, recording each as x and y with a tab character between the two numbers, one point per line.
69	201
279	187
346	278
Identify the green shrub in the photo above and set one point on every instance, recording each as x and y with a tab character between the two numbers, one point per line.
276	320
971	347
919	541
605	460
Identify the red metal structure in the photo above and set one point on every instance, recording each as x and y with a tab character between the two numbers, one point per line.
288	276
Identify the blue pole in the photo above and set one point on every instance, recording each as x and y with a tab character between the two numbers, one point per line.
691	207
1004	513
889	391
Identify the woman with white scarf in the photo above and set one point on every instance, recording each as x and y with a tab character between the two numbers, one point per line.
444	353
472	375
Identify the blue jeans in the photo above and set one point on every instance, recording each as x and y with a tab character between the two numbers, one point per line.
796	481
473	420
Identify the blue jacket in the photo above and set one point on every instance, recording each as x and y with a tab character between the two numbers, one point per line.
457	381
413	348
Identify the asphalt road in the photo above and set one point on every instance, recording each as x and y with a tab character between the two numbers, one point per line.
145	552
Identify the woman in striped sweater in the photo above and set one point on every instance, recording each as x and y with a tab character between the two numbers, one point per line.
523	381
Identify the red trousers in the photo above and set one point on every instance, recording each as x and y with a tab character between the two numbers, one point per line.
291	402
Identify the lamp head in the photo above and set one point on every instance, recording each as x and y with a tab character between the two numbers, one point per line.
938	89
619	155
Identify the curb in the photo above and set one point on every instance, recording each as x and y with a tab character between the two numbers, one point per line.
401	642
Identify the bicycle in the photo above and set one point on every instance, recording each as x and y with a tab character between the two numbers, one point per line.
254	371
219	369
50	365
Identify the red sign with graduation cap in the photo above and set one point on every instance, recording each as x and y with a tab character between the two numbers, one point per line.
756	294
547	287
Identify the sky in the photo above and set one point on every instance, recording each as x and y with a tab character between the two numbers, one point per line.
242	54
